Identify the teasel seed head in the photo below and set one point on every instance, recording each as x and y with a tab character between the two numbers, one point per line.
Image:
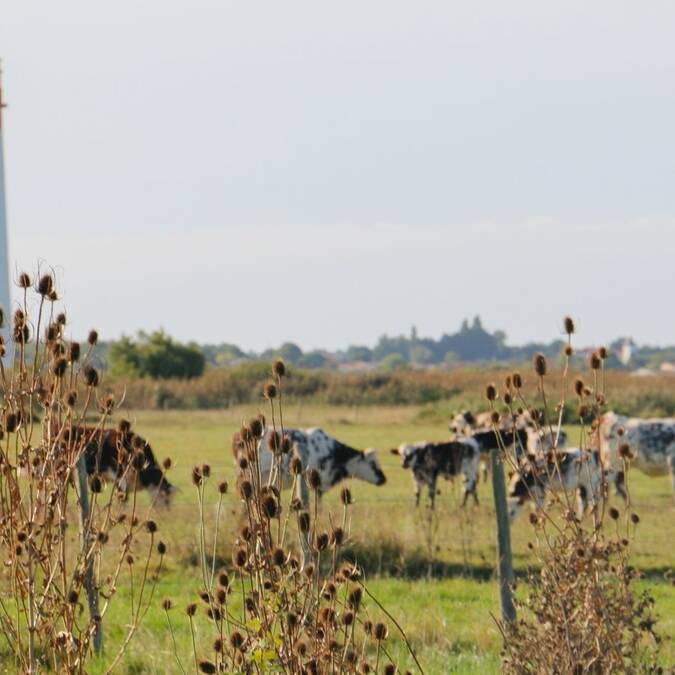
517	381
313	479
539	364
337	536
59	367
236	640
73	596
286	444
270	506
74	352
569	350
613	513
92	338
346	496
206	470
594	361
166	604
279	367
256	428
206	667
270	390
45	285
491	392
380	632
246	490
273	441
389	669
602	353
95	485
303	521
90	376
24	280
579	387
222	487
568	322
279	557
296	465
322	540
151	526
239	557
354	598
223	578
217	645
634	518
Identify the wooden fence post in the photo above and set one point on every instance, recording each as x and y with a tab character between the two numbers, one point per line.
89	585
505	563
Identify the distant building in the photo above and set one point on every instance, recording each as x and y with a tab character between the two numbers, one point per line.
625	352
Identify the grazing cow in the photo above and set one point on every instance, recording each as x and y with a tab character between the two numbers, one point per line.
650	442
575	469
428	461
334	460
105	454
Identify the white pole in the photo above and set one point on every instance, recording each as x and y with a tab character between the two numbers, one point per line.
4	251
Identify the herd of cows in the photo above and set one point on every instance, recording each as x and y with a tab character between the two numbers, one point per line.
541	460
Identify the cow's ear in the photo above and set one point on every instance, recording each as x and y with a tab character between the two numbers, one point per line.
394	451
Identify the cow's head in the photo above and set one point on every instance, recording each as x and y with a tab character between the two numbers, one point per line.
407	452
366	466
462	422
153	479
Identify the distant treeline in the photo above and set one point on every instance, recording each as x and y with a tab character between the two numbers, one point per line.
156	355
440	393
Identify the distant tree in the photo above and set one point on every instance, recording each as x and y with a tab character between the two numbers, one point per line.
155	355
450	358
312	360
125	358
290	352
421	355
358	353
392	363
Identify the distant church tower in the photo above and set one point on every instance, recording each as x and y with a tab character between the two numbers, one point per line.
4	251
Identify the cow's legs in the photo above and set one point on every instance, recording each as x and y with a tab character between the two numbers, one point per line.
470	489
619	483
671	466
582	501
418	490
432	492
303	491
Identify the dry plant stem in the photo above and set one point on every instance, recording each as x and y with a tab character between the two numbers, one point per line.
173	639
393	620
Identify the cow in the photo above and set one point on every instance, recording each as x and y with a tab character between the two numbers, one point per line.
531	438
649	444
123	457
107	454
428	461
333	460
571	469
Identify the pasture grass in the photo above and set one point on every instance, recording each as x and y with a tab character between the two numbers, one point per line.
436	576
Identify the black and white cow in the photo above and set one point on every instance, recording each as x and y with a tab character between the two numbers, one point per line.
428	461
650	442
574	470
110	454
334	460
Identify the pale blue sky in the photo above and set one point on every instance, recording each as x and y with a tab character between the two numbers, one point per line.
326	172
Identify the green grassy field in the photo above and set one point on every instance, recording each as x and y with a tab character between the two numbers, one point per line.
446	613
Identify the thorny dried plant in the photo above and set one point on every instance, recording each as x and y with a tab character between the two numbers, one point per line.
581	612
68	537
283	606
